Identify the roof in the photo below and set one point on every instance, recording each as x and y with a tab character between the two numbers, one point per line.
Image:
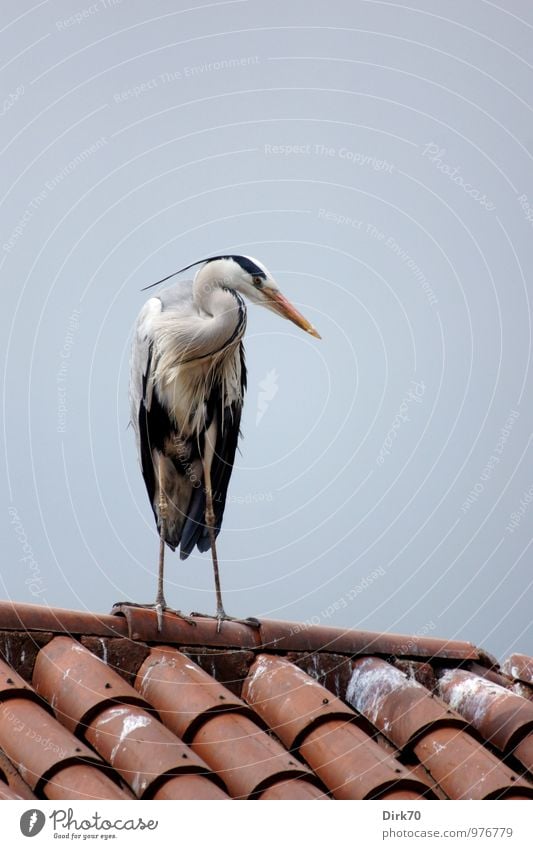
106	707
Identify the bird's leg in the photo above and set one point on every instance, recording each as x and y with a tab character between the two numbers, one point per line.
160	602
210	522
221	614
209	450
160	605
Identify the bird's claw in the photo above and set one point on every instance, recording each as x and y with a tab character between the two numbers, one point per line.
221	616
159	616
160	608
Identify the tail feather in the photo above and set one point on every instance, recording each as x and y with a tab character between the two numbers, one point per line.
194	525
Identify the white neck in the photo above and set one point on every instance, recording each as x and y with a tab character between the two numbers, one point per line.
219	309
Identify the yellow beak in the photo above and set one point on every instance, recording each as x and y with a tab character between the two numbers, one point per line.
277	302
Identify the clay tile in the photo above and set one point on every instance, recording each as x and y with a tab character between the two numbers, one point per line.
79	781
12	777
192	787
294	636
142	625
465	769
247	758
490	675
499	715
352	766
7	793
217	724
293	788
94	699
13	686
519	667
39	617
399	706
140	748
288	700
305	715
184	709
36	742
524	752
77	684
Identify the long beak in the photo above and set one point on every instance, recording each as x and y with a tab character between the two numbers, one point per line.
277	302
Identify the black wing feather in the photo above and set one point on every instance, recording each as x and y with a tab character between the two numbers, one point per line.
228	431
155	428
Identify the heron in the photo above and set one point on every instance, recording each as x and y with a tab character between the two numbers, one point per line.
187	385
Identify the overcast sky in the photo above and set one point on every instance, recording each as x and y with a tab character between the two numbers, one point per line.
377	157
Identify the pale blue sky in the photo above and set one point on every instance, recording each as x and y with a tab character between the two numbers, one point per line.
377	158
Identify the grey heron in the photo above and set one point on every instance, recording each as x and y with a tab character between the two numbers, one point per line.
187	384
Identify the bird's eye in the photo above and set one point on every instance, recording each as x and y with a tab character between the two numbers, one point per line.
258	281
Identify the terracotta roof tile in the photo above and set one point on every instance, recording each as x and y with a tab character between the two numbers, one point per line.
105	706
292	788
185	696
288	699
193	787
78	685
500	716
43	751
307	718
465	769
519	667
6	792
13	779
400	707
414	720
218	726
93	699
76	781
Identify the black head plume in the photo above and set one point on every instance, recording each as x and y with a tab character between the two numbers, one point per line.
245	263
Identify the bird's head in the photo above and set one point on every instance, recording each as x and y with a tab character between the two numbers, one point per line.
250	278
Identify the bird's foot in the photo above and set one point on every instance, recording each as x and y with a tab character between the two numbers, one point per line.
160	607
221	616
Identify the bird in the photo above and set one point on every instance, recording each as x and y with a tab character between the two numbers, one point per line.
187	386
